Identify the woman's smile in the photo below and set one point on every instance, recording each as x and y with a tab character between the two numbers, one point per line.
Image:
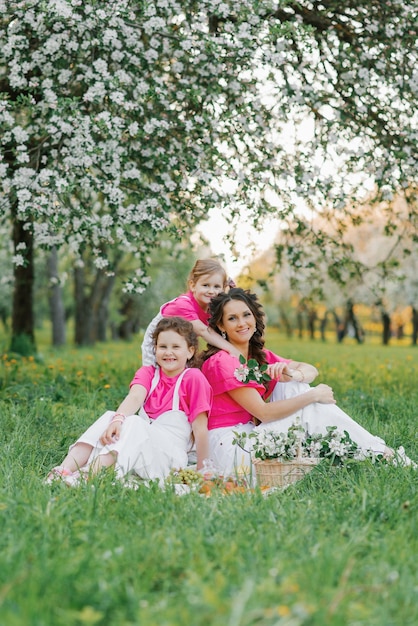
238	322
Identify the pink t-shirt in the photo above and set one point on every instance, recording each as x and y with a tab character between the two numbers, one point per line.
195	393
219	370
187	307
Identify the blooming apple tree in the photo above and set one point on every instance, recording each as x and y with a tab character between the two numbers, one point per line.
125	118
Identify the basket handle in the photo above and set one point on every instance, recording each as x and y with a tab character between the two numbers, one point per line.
299	448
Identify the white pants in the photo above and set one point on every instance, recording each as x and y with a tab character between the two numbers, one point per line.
148	448
314	419
228	457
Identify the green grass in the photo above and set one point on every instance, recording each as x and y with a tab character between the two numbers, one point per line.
338	548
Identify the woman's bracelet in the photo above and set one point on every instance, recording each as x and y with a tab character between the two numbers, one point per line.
302	375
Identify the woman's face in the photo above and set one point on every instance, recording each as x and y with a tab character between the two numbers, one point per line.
238	322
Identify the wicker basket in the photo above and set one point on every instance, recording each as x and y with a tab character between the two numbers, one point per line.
275	473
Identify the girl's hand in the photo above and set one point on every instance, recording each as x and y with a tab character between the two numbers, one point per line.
324	394
279	371
111	434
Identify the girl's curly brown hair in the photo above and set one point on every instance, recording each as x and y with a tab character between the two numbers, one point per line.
183	328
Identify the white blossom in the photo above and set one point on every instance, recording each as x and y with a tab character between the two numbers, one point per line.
18	260
147	110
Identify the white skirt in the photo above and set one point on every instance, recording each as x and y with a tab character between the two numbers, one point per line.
315	418
148	448
229	458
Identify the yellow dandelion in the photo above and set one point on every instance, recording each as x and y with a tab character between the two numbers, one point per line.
283	610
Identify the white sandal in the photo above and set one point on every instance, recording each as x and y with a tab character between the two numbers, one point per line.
58	473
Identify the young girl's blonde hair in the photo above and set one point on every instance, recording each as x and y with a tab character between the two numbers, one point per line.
206	267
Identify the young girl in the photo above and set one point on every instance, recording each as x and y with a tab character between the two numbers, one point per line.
206	279
174	400
239	316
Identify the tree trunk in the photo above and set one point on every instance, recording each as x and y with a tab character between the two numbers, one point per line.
81	330
91	309
312	317
323	326
56	305
299	321
103	310
386	327
286	323
23	323
351	324
414	326
130	322
339	327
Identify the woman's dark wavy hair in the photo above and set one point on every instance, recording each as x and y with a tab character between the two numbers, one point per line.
216	309
182	327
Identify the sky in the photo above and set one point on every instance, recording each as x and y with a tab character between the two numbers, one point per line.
215	228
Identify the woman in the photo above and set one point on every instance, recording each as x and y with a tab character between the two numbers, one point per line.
239	318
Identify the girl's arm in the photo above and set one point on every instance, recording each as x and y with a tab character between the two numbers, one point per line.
200	432
133	401
293	371
130	405
212	337
252	402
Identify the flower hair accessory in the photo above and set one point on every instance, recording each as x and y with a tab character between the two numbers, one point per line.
251	370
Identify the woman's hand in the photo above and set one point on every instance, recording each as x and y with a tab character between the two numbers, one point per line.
279	371
294	371
323	394
111	434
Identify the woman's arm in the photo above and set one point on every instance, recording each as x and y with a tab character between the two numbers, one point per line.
130	405
212	337
200	432
292	371
252	402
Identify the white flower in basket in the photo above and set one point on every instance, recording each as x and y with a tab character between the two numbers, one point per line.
282	458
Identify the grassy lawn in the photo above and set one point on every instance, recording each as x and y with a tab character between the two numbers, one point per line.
338	548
